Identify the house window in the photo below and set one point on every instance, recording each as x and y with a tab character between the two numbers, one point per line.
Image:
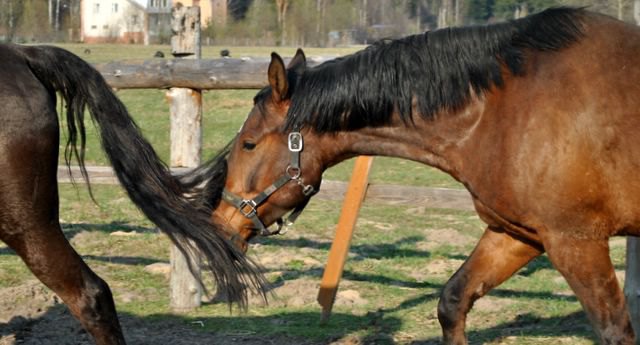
93	27
134	19
114	8
96	8
105	27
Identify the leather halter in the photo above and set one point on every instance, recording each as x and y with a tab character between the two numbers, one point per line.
249	207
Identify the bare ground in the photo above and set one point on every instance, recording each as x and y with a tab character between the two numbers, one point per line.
31	314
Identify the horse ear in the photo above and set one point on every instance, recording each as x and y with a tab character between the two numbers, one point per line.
299	63
278	78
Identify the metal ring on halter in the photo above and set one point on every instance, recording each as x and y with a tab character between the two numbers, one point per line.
295	175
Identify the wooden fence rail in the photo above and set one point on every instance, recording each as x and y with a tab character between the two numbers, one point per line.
201	74
458	199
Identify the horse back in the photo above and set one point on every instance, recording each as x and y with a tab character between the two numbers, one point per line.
560	145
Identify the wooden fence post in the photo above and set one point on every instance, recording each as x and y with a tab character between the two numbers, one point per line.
632	283
186	146
344	232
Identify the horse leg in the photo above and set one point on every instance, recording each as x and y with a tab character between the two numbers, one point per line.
55	263
587	267
29	225
497	257
47	253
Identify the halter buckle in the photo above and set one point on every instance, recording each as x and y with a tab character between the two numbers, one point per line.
248	208
295	142
308	190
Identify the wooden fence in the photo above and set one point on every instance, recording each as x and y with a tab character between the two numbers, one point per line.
329	190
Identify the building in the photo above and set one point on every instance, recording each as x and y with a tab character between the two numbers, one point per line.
215	11
125	21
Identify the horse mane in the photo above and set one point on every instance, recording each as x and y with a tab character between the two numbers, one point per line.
438	69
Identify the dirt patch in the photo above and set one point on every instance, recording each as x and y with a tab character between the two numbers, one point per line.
27	301
375	225
30	314
490	304
58	327
438	267
439	237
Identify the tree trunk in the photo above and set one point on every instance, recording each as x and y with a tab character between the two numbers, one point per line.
50	13
57	26
418	18
11	21
363	15
442	17
320	17
282	6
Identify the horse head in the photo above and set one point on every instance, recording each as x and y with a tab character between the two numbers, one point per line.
272	169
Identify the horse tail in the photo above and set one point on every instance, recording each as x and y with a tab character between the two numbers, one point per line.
147	180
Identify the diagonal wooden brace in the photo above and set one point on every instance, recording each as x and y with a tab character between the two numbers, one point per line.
344	232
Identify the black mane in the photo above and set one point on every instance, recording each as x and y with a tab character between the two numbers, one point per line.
438	68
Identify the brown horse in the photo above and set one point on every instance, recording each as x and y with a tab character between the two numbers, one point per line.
29	141
537	117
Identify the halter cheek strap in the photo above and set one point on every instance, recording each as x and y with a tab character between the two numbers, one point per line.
249	207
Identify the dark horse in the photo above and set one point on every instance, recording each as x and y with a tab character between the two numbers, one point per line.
537	117
29	141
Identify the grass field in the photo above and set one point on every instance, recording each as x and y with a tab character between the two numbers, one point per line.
400	257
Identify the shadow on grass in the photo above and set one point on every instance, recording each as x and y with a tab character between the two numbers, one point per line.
57	326
367	251
574	325
362	251
122	260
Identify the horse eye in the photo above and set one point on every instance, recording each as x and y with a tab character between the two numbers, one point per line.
248	146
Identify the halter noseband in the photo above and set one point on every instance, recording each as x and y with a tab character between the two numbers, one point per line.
249	207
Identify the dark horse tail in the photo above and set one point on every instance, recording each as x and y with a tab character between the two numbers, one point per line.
147	180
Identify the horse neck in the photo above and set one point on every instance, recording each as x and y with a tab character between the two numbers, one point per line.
439	141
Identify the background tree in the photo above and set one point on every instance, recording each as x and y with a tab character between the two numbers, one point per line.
479	11
10	18
31	28
238	8
282	6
